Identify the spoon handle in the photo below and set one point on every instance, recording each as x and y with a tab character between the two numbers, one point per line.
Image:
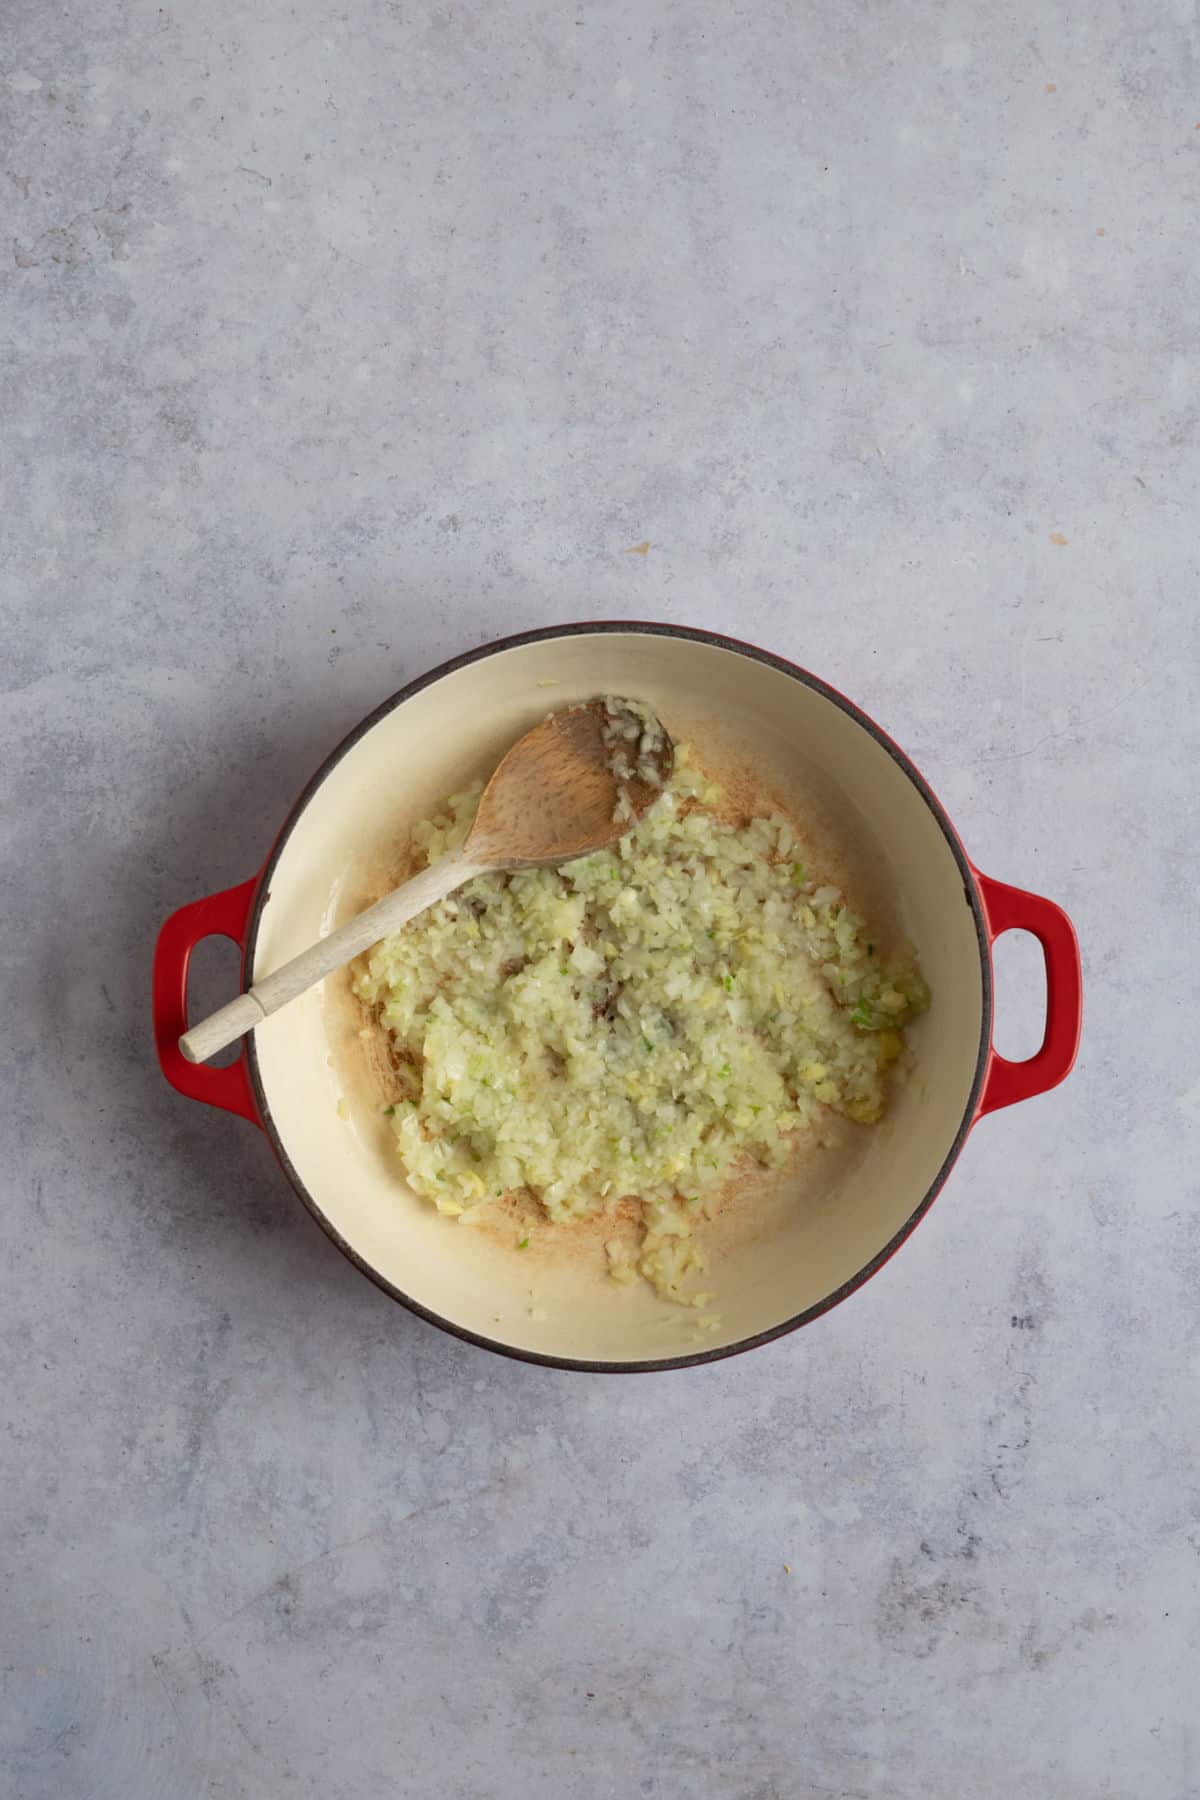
231	1022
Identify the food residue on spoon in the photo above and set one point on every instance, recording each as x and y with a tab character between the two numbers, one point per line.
633	740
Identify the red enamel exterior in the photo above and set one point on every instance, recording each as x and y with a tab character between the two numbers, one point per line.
219	915
1012	909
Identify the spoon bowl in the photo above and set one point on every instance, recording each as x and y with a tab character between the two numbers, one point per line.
558	793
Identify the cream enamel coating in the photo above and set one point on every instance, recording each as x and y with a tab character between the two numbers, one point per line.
779	1253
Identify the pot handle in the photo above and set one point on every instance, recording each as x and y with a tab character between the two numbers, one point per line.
1012	909
218	915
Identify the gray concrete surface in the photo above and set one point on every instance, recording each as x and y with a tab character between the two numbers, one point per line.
337	340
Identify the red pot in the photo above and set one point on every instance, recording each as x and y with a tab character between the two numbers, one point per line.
780	1256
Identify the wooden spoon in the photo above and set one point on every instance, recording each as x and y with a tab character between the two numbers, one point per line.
575	783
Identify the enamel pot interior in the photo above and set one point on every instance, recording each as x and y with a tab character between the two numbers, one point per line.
785	1247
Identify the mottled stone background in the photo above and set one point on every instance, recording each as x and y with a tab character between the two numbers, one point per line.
337	339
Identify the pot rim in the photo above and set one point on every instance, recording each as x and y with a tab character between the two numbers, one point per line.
694	634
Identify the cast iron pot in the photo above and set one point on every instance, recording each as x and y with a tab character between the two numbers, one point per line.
801	1247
